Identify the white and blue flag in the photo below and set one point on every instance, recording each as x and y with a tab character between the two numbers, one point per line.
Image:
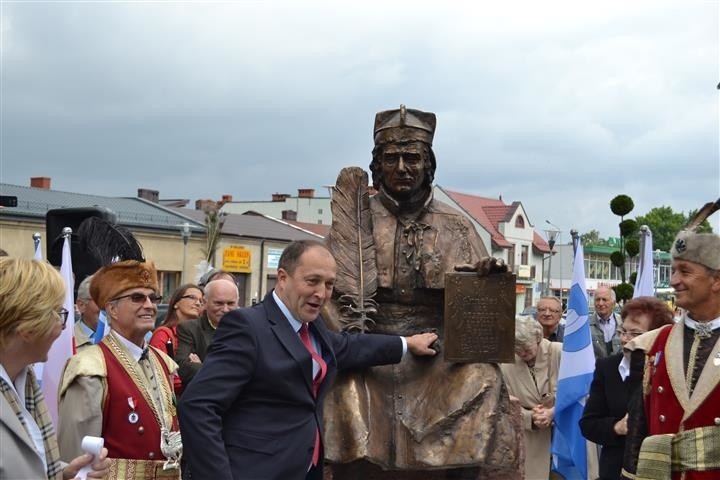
577	365
37	255
102	330
644	283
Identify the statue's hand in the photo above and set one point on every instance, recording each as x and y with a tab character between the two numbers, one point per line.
486	266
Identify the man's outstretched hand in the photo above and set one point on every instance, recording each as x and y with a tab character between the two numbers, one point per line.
486	266
420	344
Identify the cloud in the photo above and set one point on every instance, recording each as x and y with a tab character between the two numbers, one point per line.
553	104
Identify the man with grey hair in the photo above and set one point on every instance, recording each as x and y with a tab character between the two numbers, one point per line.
89	313
195	336
674	421
604	323
549	312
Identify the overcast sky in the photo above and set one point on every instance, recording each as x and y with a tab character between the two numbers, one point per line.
558	105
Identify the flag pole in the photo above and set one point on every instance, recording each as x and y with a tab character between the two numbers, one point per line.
575	238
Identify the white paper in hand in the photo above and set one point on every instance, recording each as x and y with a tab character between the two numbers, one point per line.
93	446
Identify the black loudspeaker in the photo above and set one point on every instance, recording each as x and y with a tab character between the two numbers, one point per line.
55	221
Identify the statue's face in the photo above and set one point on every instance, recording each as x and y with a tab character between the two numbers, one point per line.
403	169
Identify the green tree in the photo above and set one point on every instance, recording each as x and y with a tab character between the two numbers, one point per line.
621	205
665	225
591	238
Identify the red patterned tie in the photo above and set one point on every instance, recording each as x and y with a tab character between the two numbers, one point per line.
305	337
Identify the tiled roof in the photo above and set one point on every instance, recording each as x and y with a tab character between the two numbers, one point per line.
316	228
486	211
490	212
130	211
254	225
539	243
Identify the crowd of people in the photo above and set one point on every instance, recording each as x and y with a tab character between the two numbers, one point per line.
222	392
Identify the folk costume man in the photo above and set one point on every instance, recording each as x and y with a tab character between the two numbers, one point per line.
674	425
121	389
425	413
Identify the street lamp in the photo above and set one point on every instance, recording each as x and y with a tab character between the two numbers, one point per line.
185	233
552	236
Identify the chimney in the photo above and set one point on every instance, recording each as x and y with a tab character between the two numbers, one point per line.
306	193
290	215
149	195
205	205
279	197
40	182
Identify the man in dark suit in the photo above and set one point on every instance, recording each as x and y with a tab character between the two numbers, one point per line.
254	411
195	336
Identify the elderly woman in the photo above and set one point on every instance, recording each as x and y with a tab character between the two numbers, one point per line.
604	419
532	379
31	318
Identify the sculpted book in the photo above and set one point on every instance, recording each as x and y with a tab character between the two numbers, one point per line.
479	318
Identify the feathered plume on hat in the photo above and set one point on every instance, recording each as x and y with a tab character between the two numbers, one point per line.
702	248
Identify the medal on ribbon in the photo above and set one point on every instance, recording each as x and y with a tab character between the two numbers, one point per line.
133	417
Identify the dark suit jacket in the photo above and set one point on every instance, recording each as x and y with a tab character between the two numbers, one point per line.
194	336
608	403
250	412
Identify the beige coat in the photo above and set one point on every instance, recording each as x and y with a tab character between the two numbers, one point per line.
521	385
18	458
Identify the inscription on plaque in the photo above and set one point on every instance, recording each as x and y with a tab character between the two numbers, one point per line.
479	318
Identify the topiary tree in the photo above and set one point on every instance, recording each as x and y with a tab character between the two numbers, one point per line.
623	292
621	205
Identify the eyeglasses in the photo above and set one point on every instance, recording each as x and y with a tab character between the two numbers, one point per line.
547	309
193	298
63	315
631	333
139	298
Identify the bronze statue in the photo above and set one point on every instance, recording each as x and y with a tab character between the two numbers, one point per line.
423	418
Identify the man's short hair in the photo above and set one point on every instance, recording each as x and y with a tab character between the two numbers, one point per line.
207	289
613	297
550	297
292	253
83	292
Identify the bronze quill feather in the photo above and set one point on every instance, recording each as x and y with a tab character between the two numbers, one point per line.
351	242
702	214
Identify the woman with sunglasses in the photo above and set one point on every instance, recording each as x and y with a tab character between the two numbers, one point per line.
31	319
185	303
604	419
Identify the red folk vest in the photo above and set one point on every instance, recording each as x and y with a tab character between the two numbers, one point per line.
124	439
663	410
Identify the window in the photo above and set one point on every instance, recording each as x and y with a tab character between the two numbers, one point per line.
524	254
169	281
519	222
320	211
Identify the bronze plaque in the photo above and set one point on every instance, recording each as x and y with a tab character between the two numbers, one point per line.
479	318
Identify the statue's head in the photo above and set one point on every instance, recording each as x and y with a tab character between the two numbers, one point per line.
403	161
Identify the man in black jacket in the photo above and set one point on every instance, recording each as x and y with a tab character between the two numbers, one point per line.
195	336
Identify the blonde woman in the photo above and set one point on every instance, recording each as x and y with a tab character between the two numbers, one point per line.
532	379
31	318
